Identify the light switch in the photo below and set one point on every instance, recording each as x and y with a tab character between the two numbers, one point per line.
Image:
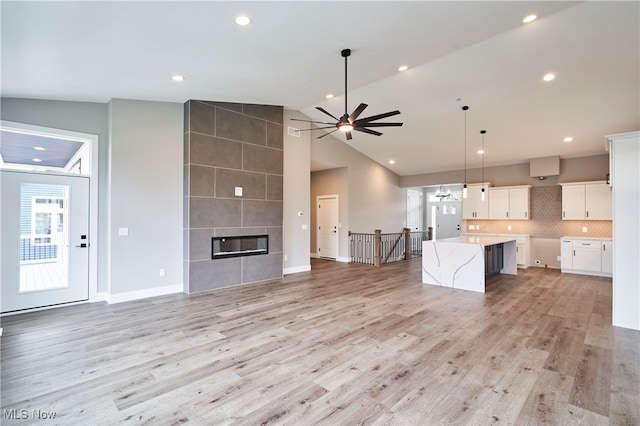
304	226
238	191
123	232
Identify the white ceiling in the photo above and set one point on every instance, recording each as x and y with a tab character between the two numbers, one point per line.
290	55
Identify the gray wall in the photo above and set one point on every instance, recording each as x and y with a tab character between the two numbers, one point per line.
578	169
374	197
297	183
145	195
227	146
82	117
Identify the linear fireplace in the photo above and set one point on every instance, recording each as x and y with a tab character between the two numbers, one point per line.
246	245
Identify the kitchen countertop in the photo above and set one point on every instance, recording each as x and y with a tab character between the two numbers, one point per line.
482	240
586	238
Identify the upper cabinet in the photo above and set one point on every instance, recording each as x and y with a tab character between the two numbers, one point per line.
473	207
586	201
509	202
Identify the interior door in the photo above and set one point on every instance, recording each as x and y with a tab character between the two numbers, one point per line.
44	225
328	227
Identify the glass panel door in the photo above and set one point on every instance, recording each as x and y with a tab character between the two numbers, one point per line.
44	239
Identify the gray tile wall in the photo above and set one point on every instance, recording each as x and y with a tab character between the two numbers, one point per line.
227	145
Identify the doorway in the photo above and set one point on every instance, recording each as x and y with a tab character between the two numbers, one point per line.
44	234
327	236
49	205
444	210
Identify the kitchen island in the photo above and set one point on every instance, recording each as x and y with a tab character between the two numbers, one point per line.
466	262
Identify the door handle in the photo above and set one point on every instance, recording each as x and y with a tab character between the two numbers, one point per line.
83	245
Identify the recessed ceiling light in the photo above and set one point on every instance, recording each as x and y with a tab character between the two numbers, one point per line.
403	68
568	139
481	151
243	20
36	160
329	95
549	77
529	18
177	77
39	148
392	161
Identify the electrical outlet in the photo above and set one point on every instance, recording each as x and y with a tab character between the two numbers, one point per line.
472	227
559	258
584	229
508	227
162	272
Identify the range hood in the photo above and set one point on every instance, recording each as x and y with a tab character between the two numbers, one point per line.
544	166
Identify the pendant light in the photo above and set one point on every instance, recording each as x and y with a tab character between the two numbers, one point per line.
464	186
482	194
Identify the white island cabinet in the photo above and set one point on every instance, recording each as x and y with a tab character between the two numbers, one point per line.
465	262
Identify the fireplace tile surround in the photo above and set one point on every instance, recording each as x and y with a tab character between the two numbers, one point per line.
229	145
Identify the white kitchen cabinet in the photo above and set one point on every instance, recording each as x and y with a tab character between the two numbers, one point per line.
473	207
586	201
566	254
509	202
598	201
498	203
607	257
586	256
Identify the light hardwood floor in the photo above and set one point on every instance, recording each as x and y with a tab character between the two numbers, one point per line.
342	344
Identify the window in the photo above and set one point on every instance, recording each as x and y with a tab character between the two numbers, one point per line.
47	220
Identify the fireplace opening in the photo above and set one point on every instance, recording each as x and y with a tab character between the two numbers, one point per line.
246	245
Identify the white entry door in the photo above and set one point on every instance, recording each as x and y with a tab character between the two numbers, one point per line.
328	227
44	240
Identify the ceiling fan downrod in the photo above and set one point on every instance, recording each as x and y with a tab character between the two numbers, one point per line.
345	54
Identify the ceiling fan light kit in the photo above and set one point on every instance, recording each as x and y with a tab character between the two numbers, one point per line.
350	122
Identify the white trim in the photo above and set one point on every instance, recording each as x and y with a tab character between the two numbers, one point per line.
342	259
93	141
297	269
314	255
142	294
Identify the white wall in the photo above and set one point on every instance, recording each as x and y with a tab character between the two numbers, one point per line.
145	196
297	184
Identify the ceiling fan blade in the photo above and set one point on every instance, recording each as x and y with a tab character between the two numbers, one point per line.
326	134
348	135
376	117
364	130
354	115
326	112
382	124
311	121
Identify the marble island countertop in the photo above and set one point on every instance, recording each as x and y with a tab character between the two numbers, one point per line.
482	240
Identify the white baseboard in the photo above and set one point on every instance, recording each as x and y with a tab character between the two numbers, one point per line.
141	294
295	270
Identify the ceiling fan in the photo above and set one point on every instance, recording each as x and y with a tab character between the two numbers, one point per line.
348	123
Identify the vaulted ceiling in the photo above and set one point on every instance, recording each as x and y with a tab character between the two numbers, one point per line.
479	52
